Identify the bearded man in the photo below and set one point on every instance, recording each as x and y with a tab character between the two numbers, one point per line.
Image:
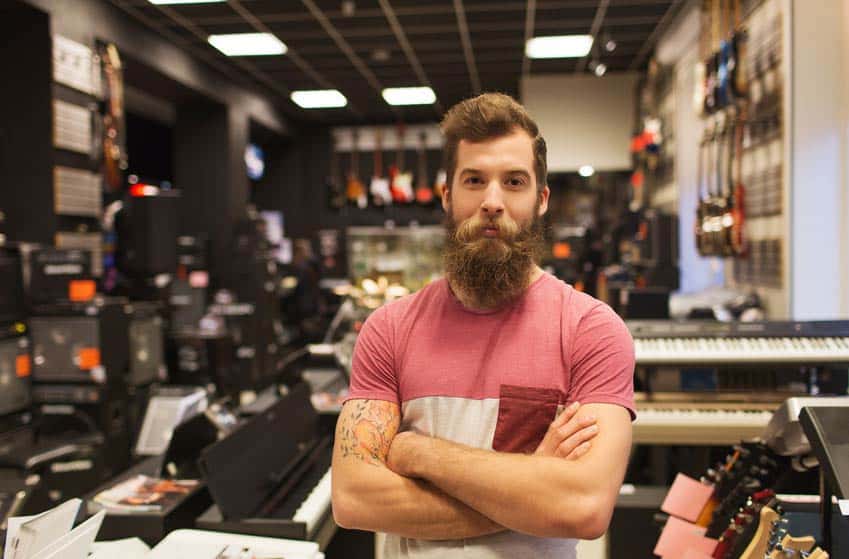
452	440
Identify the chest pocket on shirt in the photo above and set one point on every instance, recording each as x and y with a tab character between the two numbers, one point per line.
524	414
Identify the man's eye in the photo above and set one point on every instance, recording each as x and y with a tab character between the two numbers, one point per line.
516	181
473	180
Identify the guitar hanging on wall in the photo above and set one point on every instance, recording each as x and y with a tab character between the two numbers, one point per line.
114	129
354	188
379	186
401	181
424	193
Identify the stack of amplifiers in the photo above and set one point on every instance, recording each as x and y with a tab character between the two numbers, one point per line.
80	363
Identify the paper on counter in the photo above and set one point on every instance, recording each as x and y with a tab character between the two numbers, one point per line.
27	536
76	543
686	498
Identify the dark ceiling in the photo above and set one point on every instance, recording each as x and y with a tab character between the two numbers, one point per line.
458	47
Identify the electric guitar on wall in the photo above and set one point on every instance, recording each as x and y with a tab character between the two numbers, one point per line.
355	189
114	134
379	187
424	193
401	180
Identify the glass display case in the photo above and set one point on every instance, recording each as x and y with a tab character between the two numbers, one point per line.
407	256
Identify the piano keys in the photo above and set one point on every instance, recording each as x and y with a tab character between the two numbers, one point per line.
704	343
700	422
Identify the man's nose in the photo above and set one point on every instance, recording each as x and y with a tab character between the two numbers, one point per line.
493	203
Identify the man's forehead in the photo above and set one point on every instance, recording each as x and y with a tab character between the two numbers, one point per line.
516	147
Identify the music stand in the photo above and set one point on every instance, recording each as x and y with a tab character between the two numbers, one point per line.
826	429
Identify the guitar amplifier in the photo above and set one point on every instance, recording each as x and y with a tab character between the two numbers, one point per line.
245	326
191	252
200	358
187	303
147	234
12	307
147	355
74	409
77	342
59	274
15	369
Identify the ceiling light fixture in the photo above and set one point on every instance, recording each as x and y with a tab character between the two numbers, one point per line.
161	2
248	44
600	69
610	45
561	46
586	171
409	95
319	99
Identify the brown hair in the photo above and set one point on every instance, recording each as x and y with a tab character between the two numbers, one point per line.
485	117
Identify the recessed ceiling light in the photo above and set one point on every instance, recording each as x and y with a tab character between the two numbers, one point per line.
561	46
409	95
159	2
248	44
319	99
600	69
586	171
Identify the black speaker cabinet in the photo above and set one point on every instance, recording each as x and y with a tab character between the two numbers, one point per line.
12	306
187	304
147	355
15	369
147	234
76	409
77	342
200	358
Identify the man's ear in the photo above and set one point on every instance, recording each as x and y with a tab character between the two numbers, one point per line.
543	202
446	201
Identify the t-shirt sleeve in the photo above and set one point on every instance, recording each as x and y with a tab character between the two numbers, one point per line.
602	363
373	366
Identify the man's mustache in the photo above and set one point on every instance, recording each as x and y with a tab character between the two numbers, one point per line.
472	228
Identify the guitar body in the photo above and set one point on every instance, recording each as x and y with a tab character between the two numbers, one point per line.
440	184
355	190
402	187
379	189
424	195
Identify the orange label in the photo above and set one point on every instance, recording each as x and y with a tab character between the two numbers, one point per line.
89	358
81	290
561	250
23	366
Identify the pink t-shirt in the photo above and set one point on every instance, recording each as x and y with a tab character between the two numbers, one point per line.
492	380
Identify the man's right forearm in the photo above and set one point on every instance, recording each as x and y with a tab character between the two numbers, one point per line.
380	500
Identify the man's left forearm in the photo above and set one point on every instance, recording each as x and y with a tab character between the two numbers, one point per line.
539	494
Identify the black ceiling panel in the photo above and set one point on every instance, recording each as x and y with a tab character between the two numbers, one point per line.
496	35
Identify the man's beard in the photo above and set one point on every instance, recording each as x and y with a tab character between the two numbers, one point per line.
491	271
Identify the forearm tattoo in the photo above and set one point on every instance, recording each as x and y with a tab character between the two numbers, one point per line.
367	429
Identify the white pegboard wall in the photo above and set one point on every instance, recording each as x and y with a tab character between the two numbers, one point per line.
343	137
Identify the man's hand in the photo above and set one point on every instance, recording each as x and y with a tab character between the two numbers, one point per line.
569	435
